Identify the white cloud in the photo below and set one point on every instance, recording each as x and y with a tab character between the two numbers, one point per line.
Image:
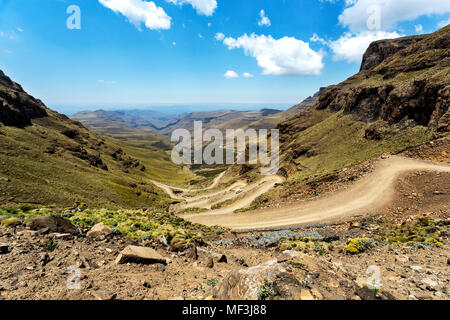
219	36
357	16
230	74
209	24
200	36
174	43
285	56
205	7
20	30
247	75
443	23
265	21
351	47
139	11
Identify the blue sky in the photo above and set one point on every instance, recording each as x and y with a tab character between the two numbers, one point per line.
135	53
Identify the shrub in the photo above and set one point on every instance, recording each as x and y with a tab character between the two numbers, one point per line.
358	245
266	290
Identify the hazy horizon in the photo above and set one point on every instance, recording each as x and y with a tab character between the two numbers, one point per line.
173	108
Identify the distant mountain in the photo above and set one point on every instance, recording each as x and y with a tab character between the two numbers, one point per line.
102	121
48	159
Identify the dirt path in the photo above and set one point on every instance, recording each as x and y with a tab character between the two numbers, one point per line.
368	195
249	192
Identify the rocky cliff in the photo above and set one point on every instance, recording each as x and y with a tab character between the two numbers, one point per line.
413	83
379	51
17	108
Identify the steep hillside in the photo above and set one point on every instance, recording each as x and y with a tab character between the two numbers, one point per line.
400	103
46	158
412	84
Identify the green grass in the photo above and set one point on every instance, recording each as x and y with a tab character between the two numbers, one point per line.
132	224
61	179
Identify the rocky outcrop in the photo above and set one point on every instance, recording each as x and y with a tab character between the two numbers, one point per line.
379	51
413	83
17	108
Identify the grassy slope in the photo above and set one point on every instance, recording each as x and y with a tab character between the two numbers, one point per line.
61	178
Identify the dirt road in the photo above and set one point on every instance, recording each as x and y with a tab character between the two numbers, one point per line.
366	196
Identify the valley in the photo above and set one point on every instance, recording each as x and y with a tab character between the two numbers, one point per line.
364	182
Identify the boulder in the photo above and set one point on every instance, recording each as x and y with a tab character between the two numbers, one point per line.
99	231
142	255
53	223
246	284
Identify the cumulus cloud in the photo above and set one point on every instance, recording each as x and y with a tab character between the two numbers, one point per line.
265	21
362	15
284	56
443	23
247	75
230	74
219	36
351	47
205	7
139	11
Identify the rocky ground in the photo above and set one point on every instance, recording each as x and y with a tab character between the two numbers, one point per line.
41	264
400	253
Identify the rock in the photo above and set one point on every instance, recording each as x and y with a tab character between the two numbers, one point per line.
416	268
402	259
245	284
104	295
287	255
366	293
4	248
448	261
99	231
191	253
63	236
210	263
316	293
161	239
218	257
305	294
53	223
142	255
430	284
